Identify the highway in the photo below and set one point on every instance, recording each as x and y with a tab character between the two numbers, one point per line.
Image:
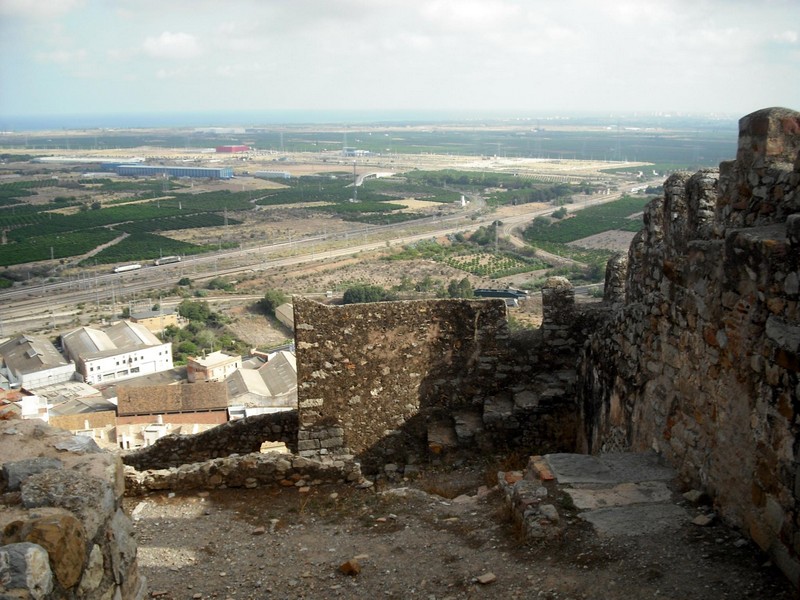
57	303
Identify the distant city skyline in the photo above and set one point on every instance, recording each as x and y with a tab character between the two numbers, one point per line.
525	57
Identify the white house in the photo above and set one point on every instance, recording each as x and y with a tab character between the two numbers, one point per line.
32	362
271	388
122	351
214	367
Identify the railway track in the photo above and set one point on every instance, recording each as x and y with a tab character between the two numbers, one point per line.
58	303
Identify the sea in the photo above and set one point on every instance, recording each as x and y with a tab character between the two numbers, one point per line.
256	118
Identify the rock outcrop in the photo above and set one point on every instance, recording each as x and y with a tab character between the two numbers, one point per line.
64	534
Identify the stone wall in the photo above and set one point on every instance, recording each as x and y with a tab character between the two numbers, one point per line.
396	383
64	534
243	436
700	355
248	471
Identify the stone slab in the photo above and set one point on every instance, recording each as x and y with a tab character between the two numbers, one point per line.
624	494
640	519
579	468
607	469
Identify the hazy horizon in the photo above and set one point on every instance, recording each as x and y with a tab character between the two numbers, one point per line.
524	57
357	118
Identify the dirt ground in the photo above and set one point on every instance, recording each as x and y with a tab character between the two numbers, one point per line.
421	542
616	241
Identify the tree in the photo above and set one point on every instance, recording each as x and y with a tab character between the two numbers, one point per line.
184	281
188	348
465	288
366	293
194	311
459	289
272	299
452	289
206	339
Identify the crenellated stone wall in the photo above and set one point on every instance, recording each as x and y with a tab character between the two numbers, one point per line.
700	360
64	534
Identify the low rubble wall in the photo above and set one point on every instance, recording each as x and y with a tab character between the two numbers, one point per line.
242	436
248	471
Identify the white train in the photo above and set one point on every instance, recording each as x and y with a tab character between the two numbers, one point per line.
165	260
125	268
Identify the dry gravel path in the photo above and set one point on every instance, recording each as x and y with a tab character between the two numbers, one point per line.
279	543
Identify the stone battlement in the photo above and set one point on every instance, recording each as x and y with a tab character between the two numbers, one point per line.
701	359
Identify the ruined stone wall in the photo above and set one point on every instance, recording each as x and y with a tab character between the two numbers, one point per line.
699	358
396	382
248	471
242	436
63	531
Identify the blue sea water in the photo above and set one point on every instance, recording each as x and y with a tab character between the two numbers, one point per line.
228	119
253	118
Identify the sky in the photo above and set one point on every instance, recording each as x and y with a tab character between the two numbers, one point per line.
529	57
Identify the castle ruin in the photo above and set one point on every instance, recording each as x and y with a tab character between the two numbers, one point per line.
694	353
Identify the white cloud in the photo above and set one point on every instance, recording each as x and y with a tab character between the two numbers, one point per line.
38	9
62	57
787	37
469	15
172	45
236	70
408	53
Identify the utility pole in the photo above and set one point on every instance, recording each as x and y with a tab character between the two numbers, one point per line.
355	183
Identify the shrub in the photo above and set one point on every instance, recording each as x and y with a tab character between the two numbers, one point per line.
272	299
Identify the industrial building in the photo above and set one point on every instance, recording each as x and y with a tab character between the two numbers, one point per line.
239	148
194	172
272	174
122	351
32	362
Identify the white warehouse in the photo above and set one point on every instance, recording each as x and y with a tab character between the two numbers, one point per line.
122	351
32	362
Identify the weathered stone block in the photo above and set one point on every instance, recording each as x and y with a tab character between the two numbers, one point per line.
308	444
15	472
61	535
25	566
91	499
